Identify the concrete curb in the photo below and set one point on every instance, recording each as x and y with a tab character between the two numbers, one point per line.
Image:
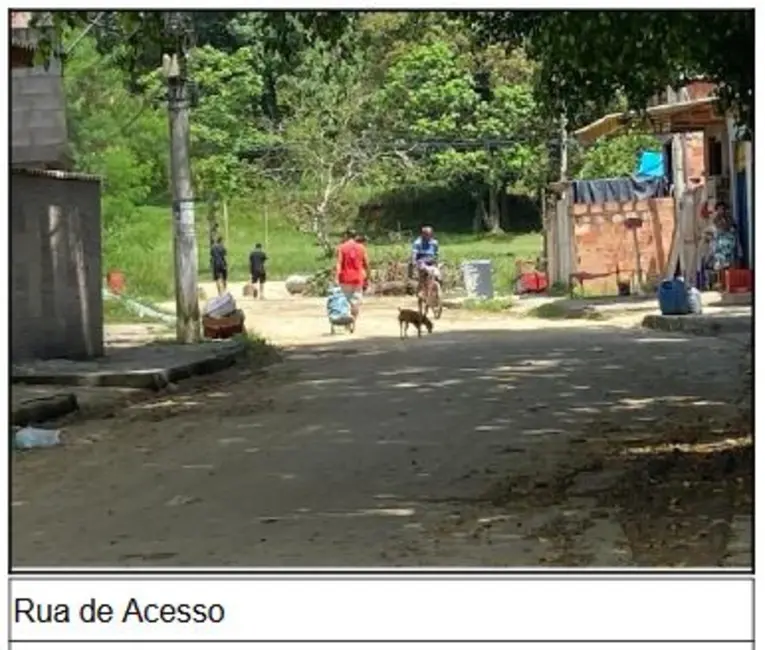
698	325
36	411
150	379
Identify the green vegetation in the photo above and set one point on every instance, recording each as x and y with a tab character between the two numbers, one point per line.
587	58
494	305
311	121
257	351
144	251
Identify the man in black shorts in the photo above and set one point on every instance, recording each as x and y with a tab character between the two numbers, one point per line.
219	265
258	269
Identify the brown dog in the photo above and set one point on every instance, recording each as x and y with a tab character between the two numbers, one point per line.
407	317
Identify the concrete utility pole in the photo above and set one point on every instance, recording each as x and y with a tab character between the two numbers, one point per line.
184	231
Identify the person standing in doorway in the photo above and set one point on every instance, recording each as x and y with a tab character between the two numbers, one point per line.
352	270
219	265
258	269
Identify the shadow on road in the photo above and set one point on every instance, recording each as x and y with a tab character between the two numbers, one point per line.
489	447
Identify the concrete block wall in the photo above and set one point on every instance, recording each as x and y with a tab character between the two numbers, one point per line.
603	242
38	117
56	276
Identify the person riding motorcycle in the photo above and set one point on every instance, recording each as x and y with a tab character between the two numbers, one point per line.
425	257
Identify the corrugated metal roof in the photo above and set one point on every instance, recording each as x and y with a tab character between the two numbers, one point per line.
612	122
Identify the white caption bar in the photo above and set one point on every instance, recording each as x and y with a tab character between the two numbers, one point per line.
381	609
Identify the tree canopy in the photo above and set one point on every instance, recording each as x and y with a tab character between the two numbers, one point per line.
326	102
592	56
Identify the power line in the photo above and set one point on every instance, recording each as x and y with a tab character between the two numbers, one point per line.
84	33
416	146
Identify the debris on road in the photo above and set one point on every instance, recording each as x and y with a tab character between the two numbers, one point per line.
32	438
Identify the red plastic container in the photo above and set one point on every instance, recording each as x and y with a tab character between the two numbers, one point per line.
738	280
533	282
115	280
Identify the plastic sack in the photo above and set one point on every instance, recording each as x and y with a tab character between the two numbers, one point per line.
220	306
32	438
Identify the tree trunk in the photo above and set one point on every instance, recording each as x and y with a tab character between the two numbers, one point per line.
212	227
478	214
322	236
492	218
225	222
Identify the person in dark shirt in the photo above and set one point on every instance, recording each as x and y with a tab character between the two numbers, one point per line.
258	269
219	265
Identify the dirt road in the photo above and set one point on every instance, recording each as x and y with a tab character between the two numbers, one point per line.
487	443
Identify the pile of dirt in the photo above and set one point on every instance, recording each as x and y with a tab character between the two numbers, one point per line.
386	278
389	272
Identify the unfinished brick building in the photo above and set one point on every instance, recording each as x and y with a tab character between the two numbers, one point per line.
637	237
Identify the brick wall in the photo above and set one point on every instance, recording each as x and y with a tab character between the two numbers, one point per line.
603	243
56	301
695	156
698	89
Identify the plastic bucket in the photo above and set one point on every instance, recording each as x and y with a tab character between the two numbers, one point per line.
115	280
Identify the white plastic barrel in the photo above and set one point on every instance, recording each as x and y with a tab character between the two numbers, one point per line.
477	277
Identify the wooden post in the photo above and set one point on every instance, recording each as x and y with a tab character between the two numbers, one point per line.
633	223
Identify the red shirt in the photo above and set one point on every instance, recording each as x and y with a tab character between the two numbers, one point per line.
351	263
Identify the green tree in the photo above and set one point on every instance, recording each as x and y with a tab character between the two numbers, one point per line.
224	121
480	125
112	133
616	156
588	57
329	142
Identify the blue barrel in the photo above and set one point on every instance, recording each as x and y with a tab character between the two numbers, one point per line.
673	297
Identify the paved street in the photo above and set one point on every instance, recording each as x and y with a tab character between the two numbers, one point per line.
473	446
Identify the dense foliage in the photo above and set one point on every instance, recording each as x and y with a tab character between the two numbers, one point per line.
319	104
589	57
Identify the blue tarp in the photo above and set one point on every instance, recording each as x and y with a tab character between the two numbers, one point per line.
629	188
650	164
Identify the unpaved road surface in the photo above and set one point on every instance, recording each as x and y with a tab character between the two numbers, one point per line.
490	443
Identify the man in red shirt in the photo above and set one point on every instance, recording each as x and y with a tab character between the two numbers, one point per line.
352	269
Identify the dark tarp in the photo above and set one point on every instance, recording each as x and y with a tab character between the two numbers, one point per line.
629	188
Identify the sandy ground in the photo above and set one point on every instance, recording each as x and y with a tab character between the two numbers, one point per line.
495	441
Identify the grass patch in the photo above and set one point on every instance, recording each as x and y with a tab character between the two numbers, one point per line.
493	305
143	249
556	311
257	350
